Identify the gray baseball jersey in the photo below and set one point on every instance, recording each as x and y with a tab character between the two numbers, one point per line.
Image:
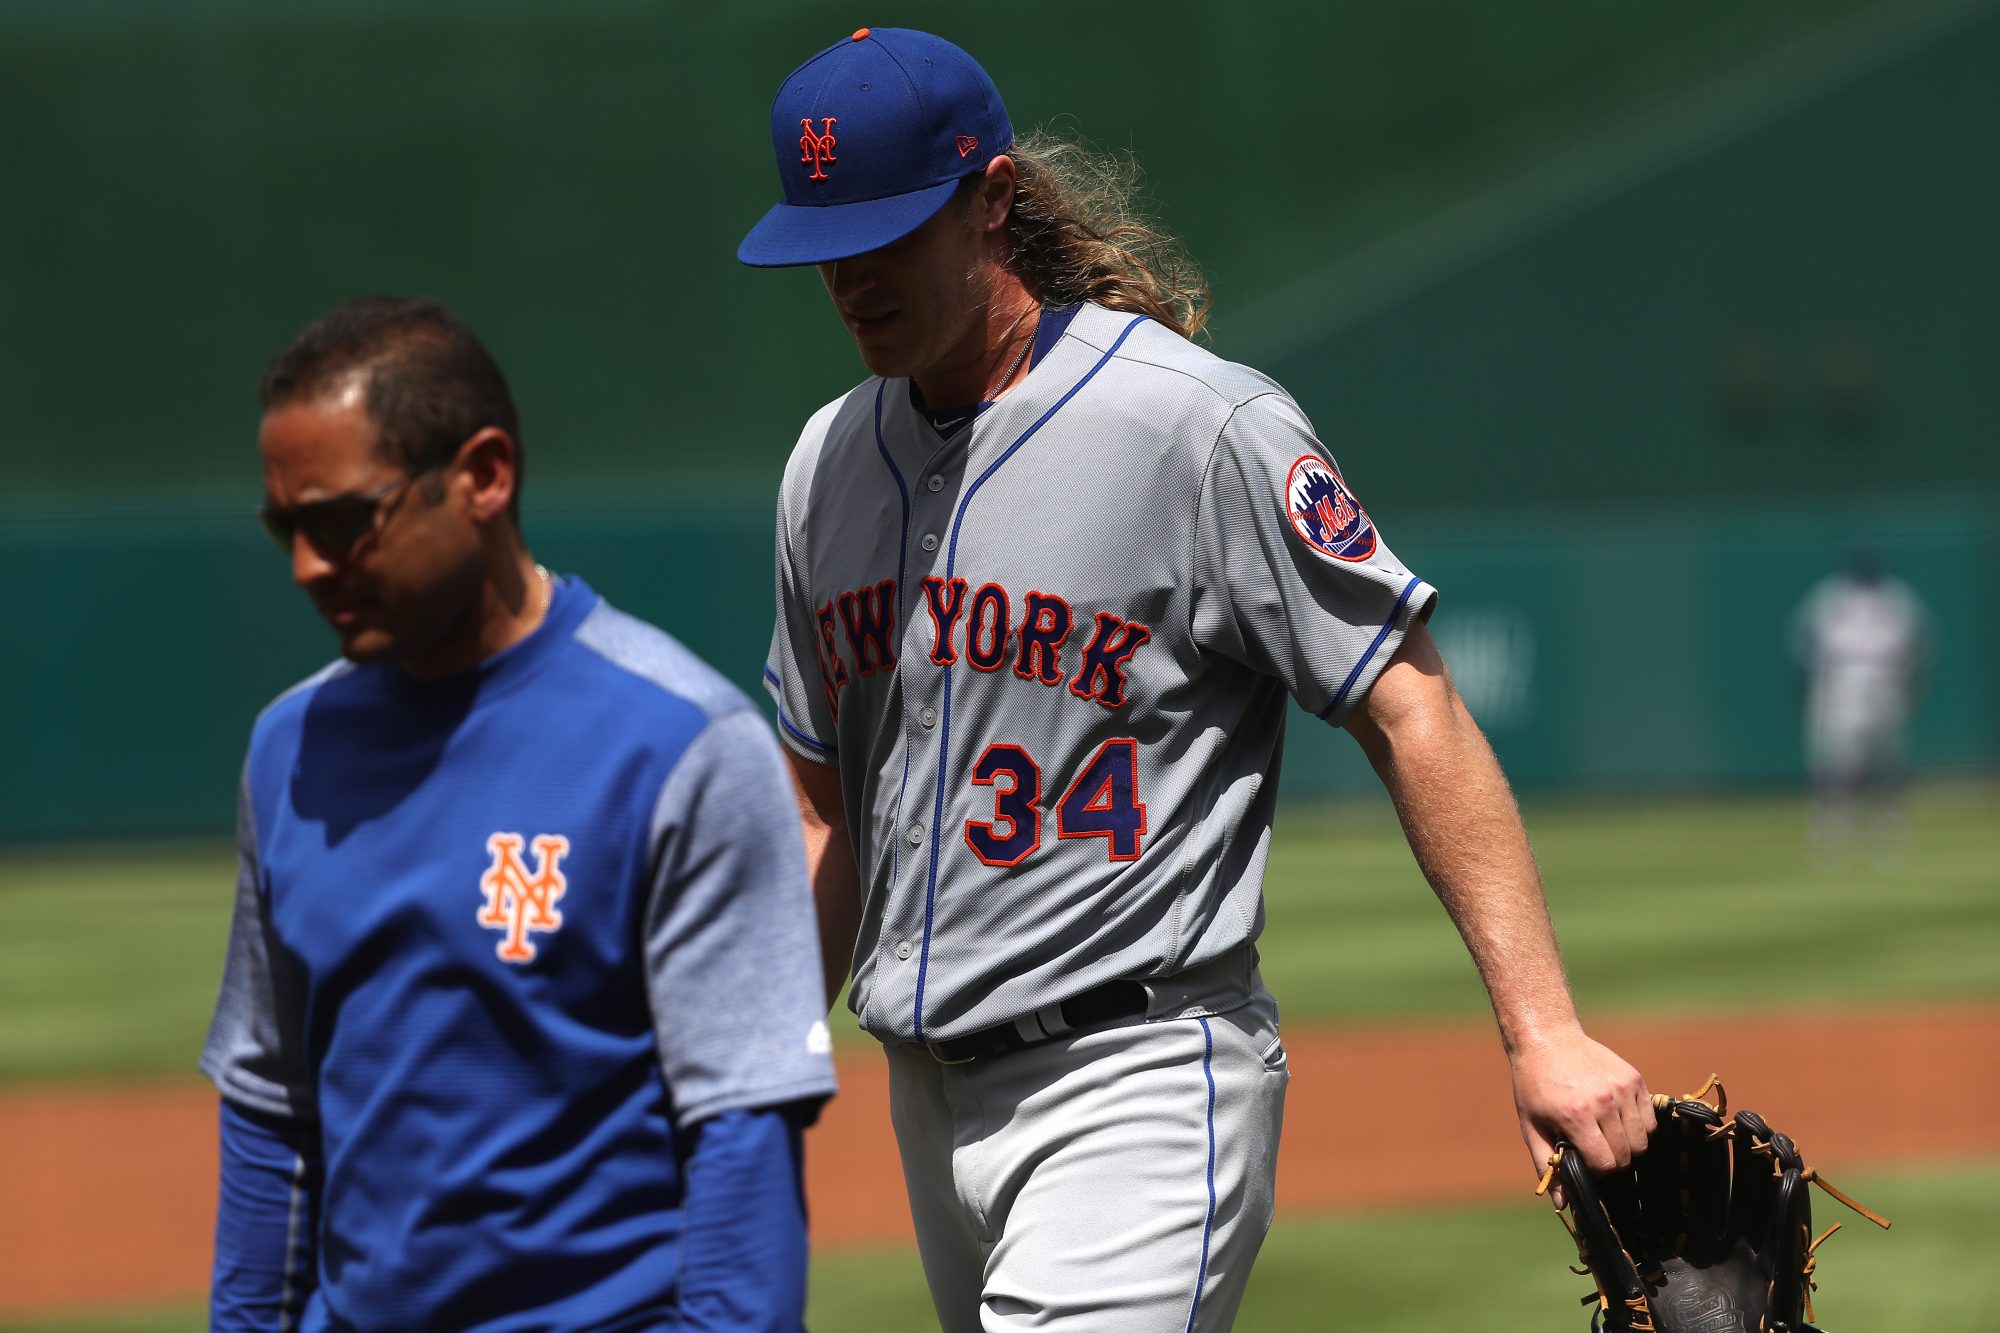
1862	641
1050	655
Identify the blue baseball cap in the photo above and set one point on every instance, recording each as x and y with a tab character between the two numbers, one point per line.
872	135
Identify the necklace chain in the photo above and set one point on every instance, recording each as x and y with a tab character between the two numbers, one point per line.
1008	378
548	589
1028	345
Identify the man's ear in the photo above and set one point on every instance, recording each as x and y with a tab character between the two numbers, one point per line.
489	460
996	193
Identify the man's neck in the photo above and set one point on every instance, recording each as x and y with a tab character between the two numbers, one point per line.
512	602
996	355
517	601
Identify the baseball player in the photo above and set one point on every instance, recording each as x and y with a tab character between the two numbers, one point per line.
519	1025
1044	581
1861	637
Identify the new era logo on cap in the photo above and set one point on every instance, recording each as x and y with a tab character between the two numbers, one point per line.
872	135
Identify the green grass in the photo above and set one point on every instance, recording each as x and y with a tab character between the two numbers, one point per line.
1417	1272
1678	904
180	1319
1497	1268
109	962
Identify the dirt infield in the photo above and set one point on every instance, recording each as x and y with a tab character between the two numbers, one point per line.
109	1192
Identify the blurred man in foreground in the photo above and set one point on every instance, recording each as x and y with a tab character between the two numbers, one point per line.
520	1022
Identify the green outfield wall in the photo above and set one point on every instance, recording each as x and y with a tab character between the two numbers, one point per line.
1600	655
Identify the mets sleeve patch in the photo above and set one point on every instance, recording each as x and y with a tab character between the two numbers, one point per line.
1325	513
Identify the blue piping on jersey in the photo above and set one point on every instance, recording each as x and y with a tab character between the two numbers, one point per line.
944	711
1340	695
802	738
785	722
1208	1223
902	550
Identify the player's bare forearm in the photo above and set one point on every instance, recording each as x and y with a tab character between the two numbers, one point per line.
1466	832
836	881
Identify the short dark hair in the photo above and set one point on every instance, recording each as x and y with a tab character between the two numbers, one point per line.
430	383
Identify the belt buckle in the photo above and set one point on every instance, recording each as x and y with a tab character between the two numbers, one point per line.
937	1049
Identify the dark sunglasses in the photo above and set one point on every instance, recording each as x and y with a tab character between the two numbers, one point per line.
336	524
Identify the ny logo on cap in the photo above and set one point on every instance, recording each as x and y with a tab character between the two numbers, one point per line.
816	150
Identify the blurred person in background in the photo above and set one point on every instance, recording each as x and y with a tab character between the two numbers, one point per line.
520	1022
1861	638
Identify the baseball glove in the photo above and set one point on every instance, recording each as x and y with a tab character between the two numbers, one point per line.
1707	1231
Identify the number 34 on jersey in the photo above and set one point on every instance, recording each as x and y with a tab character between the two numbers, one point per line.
1102	800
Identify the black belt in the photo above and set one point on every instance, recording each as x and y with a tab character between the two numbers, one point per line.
1100	1004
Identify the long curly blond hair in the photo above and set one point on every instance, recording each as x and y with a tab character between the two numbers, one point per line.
1079	235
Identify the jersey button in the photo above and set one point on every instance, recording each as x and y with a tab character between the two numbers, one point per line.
928	717
936	482
905	949
930	541
916	835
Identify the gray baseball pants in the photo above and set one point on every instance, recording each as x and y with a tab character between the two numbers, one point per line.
1110	1181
